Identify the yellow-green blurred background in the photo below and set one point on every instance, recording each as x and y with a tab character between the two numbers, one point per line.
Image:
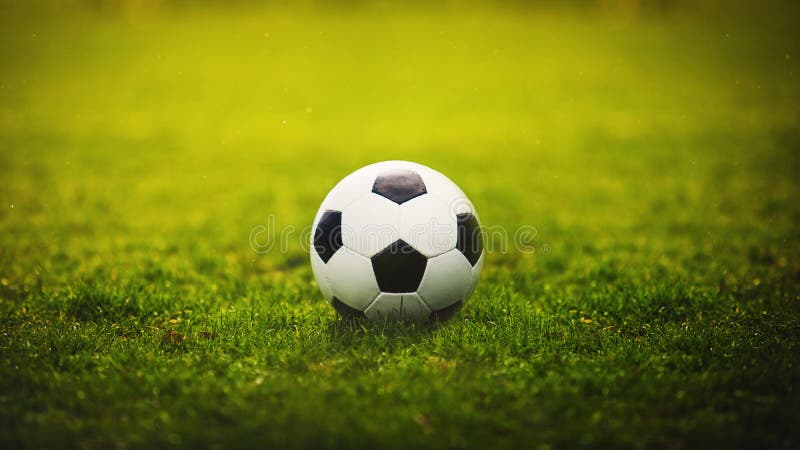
149	120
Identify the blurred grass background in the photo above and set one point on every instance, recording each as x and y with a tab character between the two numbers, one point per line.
653	145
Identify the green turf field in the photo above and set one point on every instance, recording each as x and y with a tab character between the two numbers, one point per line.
656	152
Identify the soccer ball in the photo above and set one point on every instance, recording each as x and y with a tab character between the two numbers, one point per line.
396	240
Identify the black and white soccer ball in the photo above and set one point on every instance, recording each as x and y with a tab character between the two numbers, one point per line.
396	240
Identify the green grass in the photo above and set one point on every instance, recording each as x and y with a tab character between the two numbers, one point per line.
656	155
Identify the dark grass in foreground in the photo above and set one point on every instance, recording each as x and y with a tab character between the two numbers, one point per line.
656	157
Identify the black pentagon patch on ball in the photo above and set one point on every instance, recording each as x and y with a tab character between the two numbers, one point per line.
399	268
470	241
399	185
346	311
328	235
